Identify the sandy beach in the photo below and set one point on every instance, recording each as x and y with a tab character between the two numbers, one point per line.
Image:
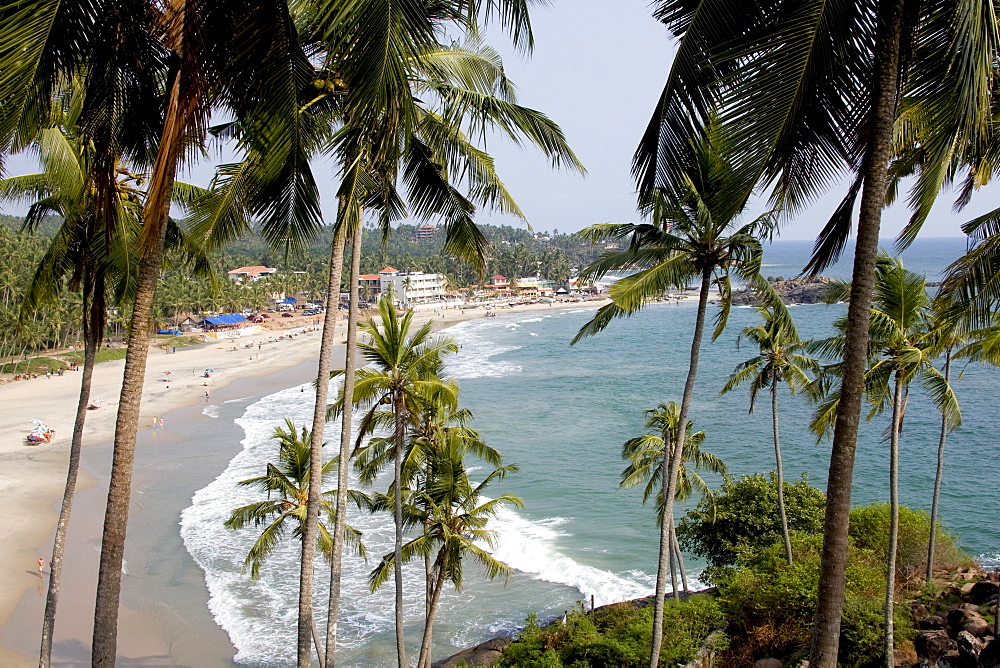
32	480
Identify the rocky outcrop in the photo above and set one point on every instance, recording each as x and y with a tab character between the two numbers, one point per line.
958	635
483	654
811	290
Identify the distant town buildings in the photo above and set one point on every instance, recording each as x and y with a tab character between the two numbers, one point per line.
425	232
410	287
248	274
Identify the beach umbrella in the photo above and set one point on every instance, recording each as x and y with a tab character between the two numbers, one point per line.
210	370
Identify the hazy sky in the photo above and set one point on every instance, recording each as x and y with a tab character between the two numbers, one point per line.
597	70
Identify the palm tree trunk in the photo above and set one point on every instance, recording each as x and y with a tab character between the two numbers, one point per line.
397	512
307	565
938	475
890	562
779	473
176	125
92	341
672	466
673	573
340	522
680	561
833	565
424	660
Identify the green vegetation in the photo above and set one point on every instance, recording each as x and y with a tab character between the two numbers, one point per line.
770	604
618	635
744	518
184	291
765	604
870	531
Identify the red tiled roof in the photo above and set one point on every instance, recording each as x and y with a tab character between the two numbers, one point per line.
249	270
369	277
389	270
502	278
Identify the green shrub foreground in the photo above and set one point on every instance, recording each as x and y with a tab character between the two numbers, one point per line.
764	605
617	635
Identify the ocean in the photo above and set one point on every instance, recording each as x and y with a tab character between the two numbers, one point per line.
561	414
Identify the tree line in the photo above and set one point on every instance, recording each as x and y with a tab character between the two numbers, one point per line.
115	95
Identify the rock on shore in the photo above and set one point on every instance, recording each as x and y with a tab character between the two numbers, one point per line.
811	290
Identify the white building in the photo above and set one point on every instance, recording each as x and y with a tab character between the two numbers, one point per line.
411	287
248	274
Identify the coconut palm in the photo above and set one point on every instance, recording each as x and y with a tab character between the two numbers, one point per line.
447	93
99	201
216	56
454	517
693	235
645	455
781	360
945	337
901	351
401	368
287	487
804	115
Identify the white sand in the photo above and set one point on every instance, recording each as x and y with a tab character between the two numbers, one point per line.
32	478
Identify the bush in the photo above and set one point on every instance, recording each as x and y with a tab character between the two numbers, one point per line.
616	635
870	530
746	519
770	604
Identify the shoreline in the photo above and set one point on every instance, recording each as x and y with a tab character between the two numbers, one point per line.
33	478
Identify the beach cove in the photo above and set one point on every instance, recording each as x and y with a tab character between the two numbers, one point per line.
32	480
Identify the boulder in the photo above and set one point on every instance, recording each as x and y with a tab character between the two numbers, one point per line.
483	654
977	626
810	290
969	646
934	644
956	618
767	663
983	591
932	623
989	657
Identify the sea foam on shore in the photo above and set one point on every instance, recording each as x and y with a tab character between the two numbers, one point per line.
259	615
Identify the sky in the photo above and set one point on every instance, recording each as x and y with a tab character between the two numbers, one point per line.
597	69
598	72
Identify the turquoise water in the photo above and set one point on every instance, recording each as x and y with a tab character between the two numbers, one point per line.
561	413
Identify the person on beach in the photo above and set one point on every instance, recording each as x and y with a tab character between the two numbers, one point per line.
41	567
154	422
161	424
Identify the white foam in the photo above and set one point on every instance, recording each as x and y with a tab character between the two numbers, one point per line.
210	411
530	547
478	348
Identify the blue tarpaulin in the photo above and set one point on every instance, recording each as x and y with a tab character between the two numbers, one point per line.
229	319
289	300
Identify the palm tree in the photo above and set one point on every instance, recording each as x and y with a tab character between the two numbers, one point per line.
373	139
804	114
645	454
400	369
89	252
288	483
696	234
946	337
215	56
901	351
780	360
454	517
